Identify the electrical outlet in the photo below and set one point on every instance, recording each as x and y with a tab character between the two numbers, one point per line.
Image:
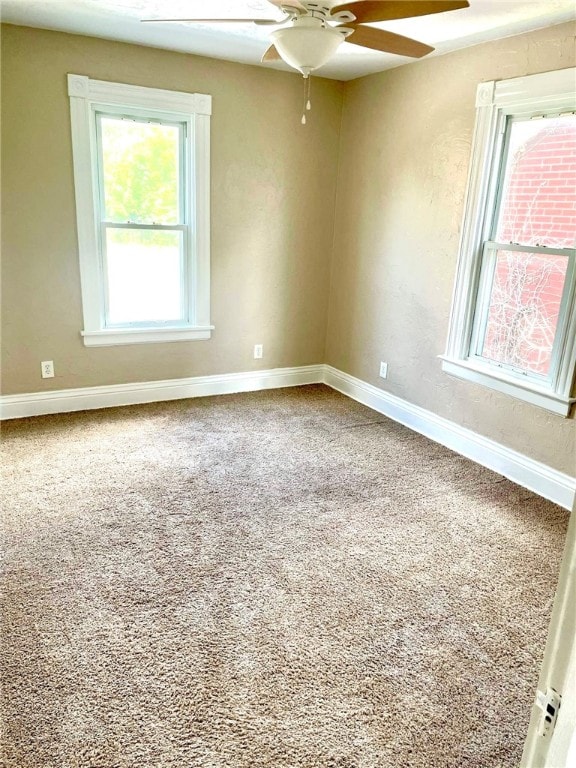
47	367
258	351
383	370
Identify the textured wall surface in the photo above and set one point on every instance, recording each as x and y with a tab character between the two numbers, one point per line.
404	138
273	190
406	141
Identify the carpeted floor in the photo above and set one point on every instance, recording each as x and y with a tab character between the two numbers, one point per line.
282	579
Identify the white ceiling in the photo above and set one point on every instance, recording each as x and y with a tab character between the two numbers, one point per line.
120	20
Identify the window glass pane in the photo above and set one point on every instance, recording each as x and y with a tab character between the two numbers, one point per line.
539	195
144	275
523	310
140	171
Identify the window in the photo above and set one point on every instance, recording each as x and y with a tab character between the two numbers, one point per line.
141	173
513	324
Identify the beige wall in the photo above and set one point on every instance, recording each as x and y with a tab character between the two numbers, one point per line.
273	189
406	140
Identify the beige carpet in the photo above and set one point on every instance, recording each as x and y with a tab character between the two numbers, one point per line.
283	579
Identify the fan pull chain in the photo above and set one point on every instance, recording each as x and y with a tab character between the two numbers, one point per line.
307	103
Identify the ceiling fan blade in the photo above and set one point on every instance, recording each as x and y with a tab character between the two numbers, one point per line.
271	54
388	42
367	11
218	21
296	4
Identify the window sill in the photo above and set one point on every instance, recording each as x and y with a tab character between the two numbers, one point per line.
551	401
113	336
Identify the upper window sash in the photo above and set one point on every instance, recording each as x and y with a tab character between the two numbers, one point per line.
183	180
496	104
504	177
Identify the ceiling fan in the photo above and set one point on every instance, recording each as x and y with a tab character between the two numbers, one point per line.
315	29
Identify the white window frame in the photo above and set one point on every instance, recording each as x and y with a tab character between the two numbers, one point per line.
88	98
550	92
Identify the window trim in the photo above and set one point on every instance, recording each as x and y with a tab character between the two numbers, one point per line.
88	97
495	101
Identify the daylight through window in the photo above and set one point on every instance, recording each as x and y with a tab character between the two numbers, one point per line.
141	161
513	325
526	267
143	220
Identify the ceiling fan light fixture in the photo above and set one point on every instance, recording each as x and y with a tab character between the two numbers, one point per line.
307	47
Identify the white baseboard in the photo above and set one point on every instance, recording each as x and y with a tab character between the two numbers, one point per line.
88	398
530	474
534	475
